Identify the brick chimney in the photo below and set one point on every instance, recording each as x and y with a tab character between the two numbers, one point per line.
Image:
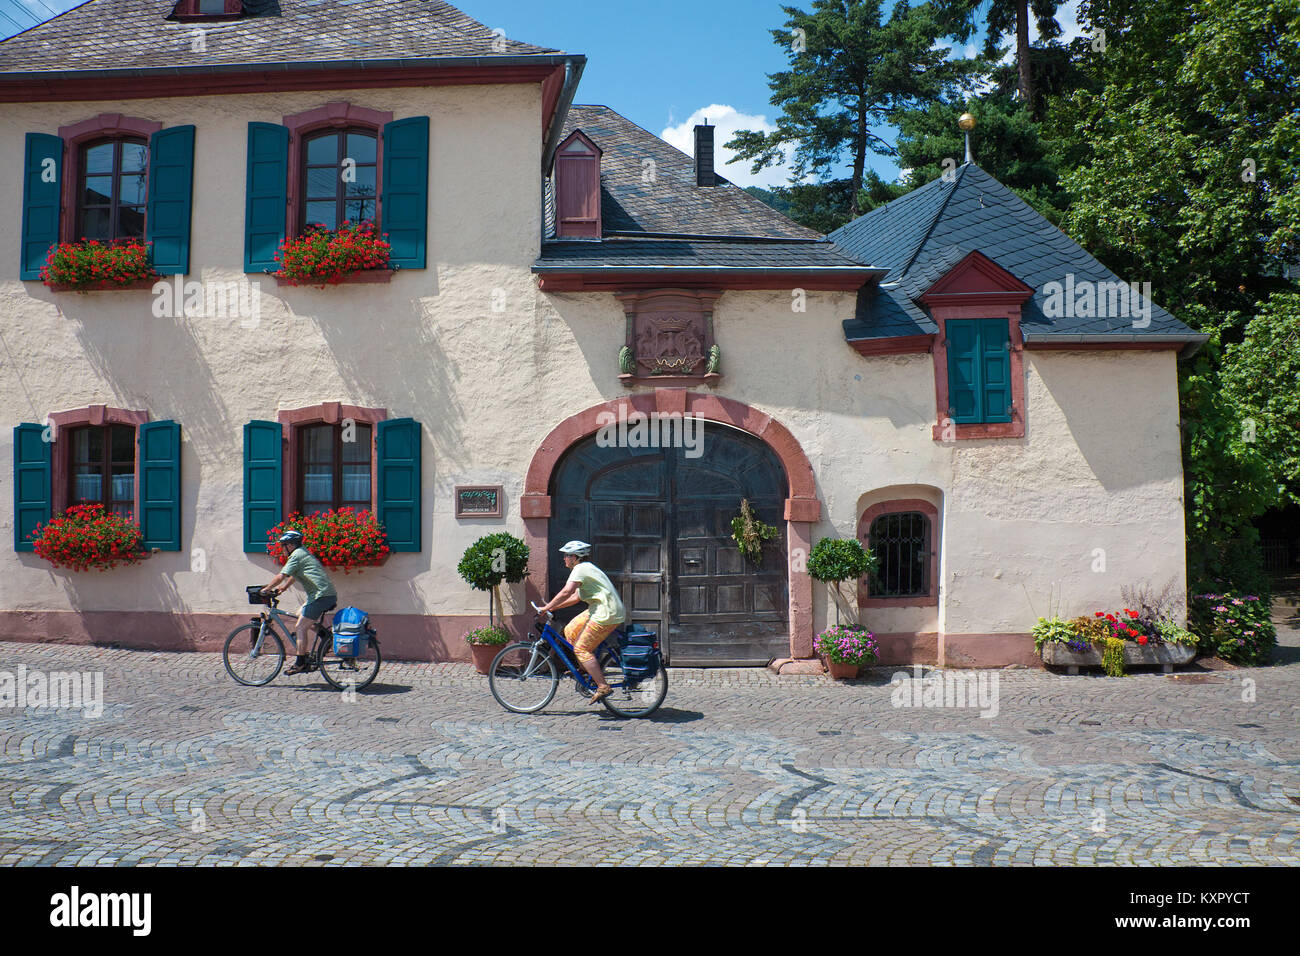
704	173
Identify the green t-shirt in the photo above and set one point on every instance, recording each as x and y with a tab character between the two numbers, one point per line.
596	589
310	573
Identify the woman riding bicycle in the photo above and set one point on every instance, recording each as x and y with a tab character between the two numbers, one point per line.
321	596
604	613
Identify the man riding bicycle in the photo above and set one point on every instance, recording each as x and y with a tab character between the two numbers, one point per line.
604	613
306	568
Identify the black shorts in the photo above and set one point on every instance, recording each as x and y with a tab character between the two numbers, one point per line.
315	610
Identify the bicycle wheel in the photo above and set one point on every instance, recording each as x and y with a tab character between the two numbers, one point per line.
523	677
347	672
638	700
249	668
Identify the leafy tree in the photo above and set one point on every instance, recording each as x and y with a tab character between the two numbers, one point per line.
1260	376
851	69
1006	142
1190	153
1003	18
1188	149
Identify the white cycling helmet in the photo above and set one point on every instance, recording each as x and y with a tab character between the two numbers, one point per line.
579	549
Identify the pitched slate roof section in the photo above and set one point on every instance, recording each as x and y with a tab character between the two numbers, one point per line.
672	204
887	313
136	35
922	235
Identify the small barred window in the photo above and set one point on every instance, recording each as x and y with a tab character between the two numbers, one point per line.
901	543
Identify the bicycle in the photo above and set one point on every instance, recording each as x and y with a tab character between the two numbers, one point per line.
254	653
524	676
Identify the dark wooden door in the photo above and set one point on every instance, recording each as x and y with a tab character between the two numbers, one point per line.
659	522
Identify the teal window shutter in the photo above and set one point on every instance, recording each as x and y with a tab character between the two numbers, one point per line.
266	195
262	487
964	387
399	482
171	184
160	485
42	187
406	191
32	491
979	370
995	370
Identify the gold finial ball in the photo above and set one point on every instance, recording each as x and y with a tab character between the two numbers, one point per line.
966	121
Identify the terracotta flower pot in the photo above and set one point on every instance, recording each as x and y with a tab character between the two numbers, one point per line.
842	671
484	655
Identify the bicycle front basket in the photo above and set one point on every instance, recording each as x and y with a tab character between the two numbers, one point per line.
255	595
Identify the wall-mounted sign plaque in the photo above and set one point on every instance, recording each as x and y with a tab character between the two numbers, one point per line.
479	501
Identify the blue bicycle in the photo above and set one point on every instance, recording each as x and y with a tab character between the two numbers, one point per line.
525	675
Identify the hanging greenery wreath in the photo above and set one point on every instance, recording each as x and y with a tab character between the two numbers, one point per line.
749	533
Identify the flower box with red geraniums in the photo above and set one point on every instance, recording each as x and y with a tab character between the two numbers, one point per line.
87	536
91	265
329	256
343	540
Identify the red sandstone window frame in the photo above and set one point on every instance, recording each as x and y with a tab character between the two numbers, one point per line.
327	413
105	126
900	506
977	288
188	10
339	116
61	450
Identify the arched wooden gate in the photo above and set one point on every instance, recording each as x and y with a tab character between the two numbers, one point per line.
660	524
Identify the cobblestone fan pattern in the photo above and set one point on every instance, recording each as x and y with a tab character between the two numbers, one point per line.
739	767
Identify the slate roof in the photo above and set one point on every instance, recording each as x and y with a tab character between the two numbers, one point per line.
673	204
887	314
136	34
921	235
563	255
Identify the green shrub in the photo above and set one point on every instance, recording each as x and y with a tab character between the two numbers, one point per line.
1051	629
840	559
492	559
488	634
1234	627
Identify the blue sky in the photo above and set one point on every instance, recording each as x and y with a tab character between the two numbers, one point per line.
664	64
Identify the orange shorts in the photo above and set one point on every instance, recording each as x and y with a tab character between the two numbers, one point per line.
586	636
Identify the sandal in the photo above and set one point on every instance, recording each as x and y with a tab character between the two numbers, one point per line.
296	668
601	694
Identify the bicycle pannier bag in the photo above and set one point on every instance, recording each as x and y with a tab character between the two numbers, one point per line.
351	632
641	658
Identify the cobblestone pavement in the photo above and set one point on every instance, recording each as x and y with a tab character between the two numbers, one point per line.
739	767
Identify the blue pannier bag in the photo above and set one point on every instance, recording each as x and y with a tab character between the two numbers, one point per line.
351	632
641	658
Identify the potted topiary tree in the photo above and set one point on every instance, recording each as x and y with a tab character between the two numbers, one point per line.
485	564
836	560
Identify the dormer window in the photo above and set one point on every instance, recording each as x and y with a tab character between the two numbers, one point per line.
207	9
577	189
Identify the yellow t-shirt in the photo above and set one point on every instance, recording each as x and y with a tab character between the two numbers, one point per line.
597	590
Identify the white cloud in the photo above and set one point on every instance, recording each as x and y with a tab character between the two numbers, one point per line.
728	121
1067	15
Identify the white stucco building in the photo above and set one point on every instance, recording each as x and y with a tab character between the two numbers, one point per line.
939	378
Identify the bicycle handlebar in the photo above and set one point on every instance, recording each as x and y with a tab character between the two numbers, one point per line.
549	614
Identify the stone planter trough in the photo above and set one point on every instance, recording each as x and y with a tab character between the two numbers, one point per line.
1164	656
